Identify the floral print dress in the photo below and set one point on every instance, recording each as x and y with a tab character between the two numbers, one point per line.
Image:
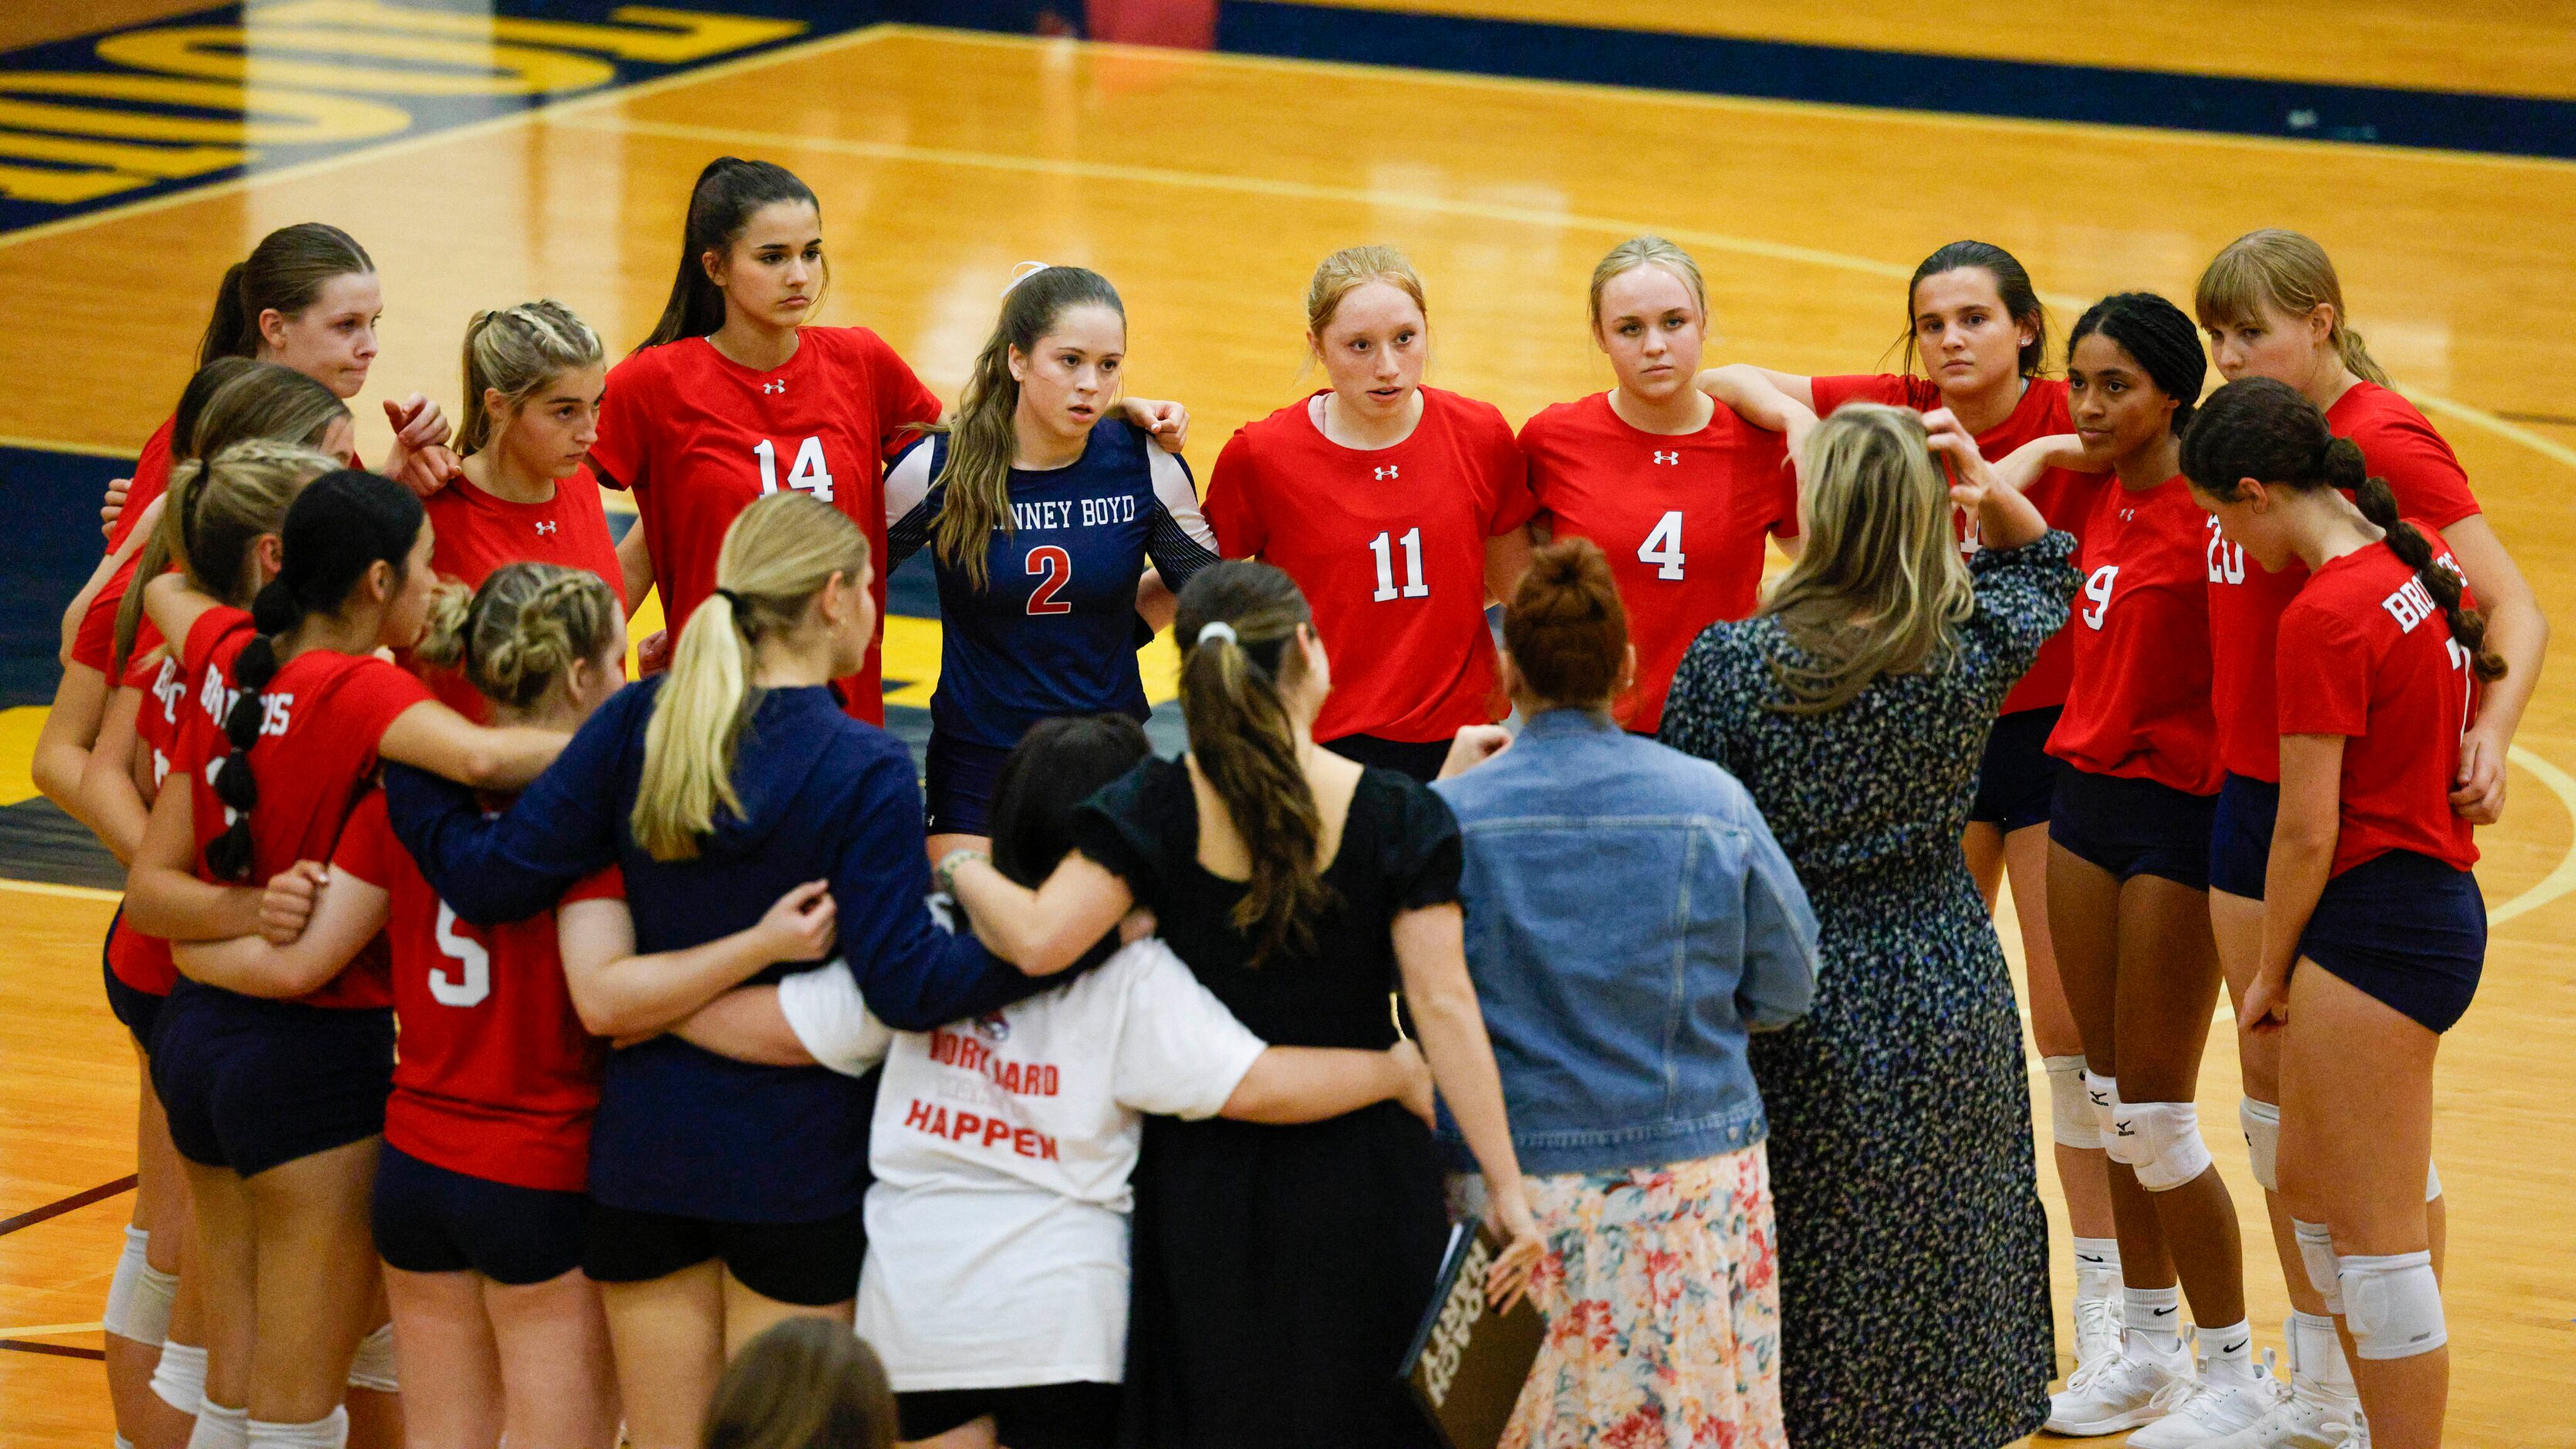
1913	1252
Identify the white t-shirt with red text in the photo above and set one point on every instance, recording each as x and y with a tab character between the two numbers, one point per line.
997	1227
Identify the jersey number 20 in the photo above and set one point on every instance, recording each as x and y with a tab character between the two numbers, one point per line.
469	986
808	473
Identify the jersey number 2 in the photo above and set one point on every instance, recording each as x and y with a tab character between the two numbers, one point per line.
1414	587
1057	565
469	986
1663	546
808	473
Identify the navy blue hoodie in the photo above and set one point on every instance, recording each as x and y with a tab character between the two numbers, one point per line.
824	796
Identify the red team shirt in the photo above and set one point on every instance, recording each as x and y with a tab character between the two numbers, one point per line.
697	437
1389	547
2063	497
476	533
2365	653
140	961
2245	603
497	1077
2140	703
315	756
1683	520
95	642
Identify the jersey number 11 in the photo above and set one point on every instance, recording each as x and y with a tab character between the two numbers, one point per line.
1414	587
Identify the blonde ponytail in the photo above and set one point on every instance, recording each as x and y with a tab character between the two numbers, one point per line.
975	482
1237	631
217	510
777	556
515	351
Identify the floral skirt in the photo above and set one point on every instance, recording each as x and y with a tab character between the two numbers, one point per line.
1662	1299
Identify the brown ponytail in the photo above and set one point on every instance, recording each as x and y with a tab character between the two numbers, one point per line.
2265	430
1566	629
1246	745
283	274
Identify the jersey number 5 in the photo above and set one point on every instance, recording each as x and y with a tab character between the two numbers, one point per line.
1414	587
808	474
2097	587
1057	565
1663	546
469	986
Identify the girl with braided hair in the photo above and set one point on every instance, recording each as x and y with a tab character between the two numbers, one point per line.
533	379
2128	880
2373	930
478	1201
1278	1270
275	1089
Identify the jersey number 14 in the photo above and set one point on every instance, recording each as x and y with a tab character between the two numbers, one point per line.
808	473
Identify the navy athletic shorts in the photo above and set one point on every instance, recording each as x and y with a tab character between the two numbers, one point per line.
807	1264
140	1011
2133	827
2408	929
1031	1416
250	1084
958	786
431	1219
2240	835
2017	778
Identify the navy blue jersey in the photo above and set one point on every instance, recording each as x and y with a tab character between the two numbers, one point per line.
1053	631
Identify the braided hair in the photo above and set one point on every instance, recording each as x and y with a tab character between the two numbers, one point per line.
336	531
2266	430
2159	337
523	629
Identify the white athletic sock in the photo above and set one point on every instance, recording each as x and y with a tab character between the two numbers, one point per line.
180	1378
2229	1348
2154	1319
124	1443
331	1432
2317	1361
220	1428
2097	1267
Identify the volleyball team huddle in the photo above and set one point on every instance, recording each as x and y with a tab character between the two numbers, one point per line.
693	1038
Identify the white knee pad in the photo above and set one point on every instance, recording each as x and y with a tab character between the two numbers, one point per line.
220	1428
180	1378
2160	1141
328	1433
2432	1181
2325	1274
2395	1306
2071	1118
2104	1095
140	1295
373	1368
2262	1123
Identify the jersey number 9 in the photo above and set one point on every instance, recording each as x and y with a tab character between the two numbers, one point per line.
2097	587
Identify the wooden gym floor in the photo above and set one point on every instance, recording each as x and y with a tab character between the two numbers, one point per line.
1206	186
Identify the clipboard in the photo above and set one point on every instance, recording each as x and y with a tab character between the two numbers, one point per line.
1467	1363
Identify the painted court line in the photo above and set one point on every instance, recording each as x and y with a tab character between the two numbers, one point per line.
51	1330
56	1350
76	1201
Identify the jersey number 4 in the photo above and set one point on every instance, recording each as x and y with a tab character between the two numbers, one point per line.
1663	546
1057	565
469	985
808	473
1414	587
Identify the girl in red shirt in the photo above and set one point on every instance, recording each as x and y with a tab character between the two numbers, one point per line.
2373	931
1397	509
2128	882
734	396
2273	307
533	380
156	1337
1976	326
1681	494
275	1090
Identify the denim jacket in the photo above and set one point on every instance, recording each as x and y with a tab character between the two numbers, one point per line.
1629	920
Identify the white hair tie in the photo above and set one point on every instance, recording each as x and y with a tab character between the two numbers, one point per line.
1218	629
1023	272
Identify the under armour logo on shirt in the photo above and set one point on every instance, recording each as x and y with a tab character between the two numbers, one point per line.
778	385
1385	473
545	528
1662	457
